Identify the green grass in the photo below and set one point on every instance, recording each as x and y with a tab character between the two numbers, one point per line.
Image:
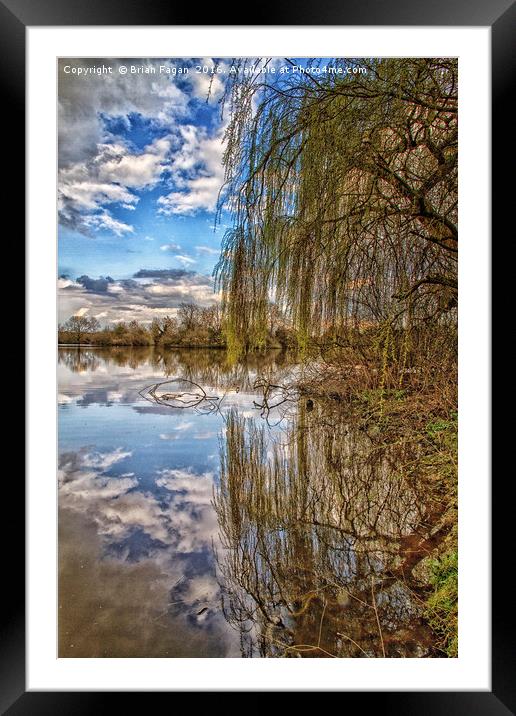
443	430
441	609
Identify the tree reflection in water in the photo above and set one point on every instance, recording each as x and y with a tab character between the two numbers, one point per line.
80	360
322	528
207	366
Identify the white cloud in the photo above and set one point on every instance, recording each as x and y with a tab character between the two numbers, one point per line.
99	170
207	250
208	85
185	260
109	501
197	173
104	220
184	426
80	185
171	246
110	178
136	171
176	435
65	282
84	101
206	435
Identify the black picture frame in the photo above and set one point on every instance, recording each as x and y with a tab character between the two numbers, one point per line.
15	17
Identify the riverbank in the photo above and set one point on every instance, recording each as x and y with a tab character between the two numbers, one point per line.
424	417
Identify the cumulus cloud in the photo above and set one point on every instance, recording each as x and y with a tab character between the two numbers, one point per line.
136	171
100	170
191	509
171	246
103	461
131	597
151	293
196	171
84	102
110	501
100	516
110	178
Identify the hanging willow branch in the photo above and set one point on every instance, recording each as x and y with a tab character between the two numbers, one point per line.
344	192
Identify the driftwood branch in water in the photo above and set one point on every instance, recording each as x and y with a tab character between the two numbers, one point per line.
272	396
199	400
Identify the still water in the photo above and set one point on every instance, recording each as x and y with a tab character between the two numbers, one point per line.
197	521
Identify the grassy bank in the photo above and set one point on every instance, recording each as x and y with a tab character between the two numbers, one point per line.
441	605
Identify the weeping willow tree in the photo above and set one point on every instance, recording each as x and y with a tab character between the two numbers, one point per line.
343	182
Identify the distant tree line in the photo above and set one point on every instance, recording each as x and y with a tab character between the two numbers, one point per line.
193	325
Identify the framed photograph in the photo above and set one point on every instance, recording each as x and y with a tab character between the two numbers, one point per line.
258	401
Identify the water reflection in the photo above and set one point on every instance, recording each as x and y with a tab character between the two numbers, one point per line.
323	533
210	366
231	532
137	524
112	606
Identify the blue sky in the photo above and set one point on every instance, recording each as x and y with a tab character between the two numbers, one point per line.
140	169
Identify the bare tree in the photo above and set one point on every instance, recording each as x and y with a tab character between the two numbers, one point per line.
79	326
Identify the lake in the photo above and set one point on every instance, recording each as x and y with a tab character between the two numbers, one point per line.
206	509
